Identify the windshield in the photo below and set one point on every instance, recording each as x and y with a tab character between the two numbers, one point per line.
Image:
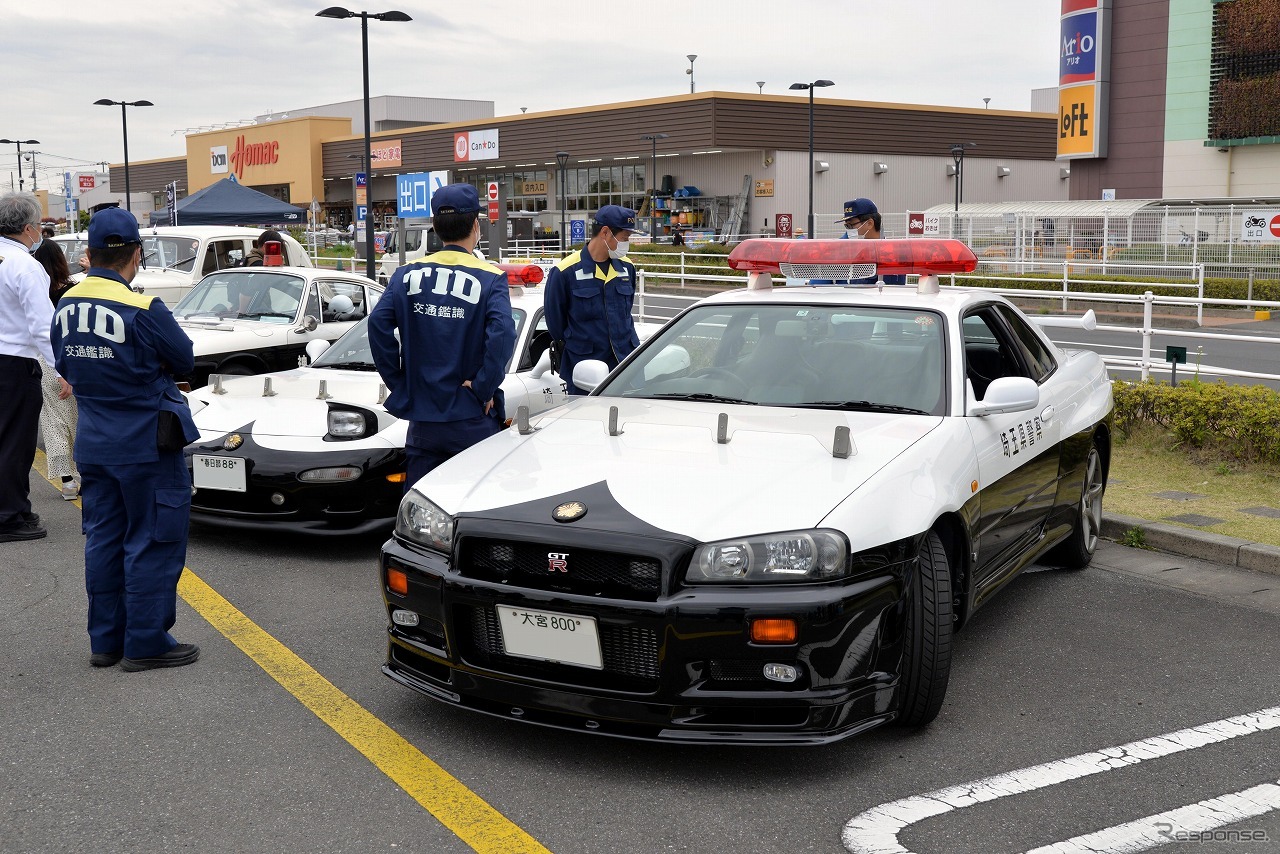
266	297
178	253
352	350
819	356
74	248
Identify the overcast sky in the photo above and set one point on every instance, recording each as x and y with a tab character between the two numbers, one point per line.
204	62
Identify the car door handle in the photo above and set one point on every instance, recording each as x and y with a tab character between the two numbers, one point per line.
1046	414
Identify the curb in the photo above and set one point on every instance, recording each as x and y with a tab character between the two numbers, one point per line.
1203	545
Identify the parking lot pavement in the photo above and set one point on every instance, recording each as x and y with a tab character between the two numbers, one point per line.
223	756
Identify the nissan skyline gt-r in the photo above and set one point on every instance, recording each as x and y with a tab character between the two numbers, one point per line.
317	451
251	320
764	526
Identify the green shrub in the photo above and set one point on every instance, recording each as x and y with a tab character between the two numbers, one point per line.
1235	422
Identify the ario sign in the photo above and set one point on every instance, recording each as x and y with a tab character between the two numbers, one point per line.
1260	226
475	145
1084	78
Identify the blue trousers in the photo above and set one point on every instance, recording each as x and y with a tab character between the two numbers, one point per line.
432	442
135	524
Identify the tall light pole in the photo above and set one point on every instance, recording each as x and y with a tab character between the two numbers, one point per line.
760	83
562	164
817	84
689	70
653	184
124	125
31	155
19	143
339	12
957	154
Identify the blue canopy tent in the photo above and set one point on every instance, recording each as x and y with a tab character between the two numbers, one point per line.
229	202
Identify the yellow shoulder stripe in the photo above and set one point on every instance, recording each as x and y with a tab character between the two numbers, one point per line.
96	287
573	259
454	258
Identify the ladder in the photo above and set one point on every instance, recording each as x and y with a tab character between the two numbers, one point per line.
733	224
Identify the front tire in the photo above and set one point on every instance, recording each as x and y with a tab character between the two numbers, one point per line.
1077	550
926	657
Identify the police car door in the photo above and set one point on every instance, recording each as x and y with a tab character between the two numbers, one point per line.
547	389
1018	452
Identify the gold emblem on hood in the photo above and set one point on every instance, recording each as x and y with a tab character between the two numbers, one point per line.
232	442
570	511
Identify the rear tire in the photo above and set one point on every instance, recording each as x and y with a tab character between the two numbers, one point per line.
926	657
1077	550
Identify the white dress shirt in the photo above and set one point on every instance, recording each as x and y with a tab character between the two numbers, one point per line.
25	310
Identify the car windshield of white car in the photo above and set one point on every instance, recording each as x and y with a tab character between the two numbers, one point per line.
171	253
254	296
818	356
351	352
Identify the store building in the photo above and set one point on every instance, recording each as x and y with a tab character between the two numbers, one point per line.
723	164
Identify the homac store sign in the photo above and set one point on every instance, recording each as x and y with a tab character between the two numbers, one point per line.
243	156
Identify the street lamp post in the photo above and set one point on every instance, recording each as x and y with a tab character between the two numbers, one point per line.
653	184
339	12
817	84
31	155
19	143
562	163
957	154
760	83
689	71
124	125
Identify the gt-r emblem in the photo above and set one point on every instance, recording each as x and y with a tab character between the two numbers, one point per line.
570	511
232	442
557	561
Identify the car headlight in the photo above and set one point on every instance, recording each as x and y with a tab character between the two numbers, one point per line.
422	522
791	556
348	424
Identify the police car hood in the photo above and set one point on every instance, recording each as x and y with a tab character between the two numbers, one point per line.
294	408
776	471
208	337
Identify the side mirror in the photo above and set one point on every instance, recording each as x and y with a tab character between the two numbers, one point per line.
315	348
672	360
588	375
309	324
542	366
1007	394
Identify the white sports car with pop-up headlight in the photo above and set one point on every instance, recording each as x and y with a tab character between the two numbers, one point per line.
764	526
313	449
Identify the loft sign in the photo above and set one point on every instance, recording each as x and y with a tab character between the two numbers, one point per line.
253	154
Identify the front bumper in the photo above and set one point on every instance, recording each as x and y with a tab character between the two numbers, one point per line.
366	504
681	668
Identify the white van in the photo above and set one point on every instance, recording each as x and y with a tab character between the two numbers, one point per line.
419	241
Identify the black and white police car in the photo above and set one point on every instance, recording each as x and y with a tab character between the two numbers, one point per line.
765	525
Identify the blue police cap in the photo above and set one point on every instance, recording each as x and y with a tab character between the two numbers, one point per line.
858	207
111	228
618	218
455	198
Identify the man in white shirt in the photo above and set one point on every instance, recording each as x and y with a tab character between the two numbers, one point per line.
24	334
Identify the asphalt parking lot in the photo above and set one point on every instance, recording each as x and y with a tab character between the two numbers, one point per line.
285	735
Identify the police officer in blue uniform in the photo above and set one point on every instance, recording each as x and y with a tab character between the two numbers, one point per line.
120	351
453	313
862	222
589	295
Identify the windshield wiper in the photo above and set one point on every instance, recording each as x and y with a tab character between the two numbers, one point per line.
859	406
700	395
177	264
349	366
256	314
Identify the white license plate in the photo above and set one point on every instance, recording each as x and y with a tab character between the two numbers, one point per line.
226	473
563	638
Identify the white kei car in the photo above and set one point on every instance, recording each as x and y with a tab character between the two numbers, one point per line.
314	449
764	526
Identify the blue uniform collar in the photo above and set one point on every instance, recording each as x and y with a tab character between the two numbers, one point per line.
107	273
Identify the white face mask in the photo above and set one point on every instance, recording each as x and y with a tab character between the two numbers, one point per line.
619	249
852	234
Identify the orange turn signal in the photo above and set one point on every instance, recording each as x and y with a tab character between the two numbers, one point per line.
396	477
773	631
397	581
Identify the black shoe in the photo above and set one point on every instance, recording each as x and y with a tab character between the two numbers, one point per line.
23	531
179	656
105	659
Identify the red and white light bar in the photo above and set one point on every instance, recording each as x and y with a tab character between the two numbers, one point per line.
522	275
889	257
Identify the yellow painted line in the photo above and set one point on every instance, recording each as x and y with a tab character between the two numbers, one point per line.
458	808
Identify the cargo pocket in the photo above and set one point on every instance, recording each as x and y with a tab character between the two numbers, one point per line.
588	303
173	514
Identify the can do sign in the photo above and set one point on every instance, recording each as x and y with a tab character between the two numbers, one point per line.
475	145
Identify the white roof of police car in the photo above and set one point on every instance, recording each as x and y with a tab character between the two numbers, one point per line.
948	300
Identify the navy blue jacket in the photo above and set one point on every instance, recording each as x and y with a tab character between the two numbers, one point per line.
119	351
453	312
590	309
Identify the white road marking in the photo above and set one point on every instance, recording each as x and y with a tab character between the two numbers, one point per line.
876	830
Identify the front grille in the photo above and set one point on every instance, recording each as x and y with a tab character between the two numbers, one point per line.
629	653
574	570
